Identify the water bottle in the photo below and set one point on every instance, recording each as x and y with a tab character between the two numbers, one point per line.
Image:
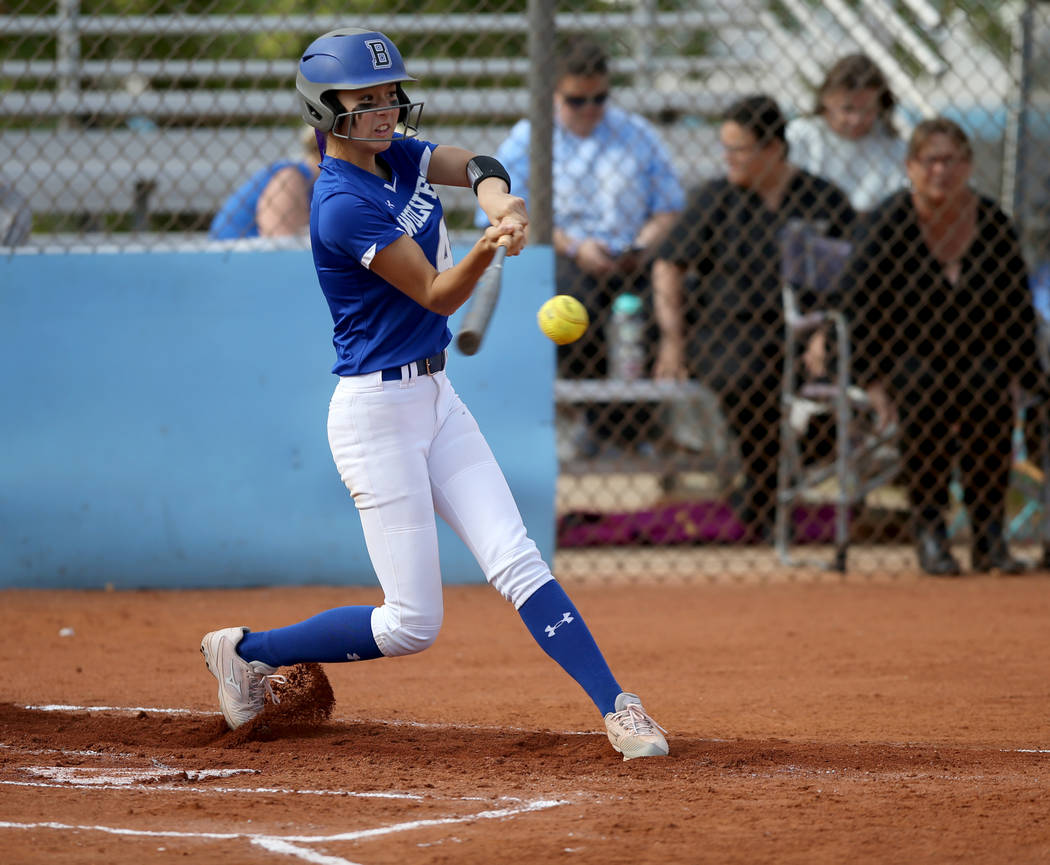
627	338
1040	285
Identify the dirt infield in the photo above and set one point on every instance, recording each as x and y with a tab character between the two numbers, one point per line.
898	721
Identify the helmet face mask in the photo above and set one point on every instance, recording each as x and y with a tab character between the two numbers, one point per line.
351	58
408	115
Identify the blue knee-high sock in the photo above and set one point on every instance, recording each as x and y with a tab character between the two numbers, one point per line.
557	626
340	634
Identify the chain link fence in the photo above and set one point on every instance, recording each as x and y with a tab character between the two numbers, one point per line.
131	123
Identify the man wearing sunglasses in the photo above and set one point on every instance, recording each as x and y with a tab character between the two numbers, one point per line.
615	194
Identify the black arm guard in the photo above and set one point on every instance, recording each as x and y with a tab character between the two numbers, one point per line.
481	167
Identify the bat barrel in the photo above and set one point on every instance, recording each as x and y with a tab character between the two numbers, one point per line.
482	305
468	341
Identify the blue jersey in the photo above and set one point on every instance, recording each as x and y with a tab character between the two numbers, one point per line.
236	218
354	215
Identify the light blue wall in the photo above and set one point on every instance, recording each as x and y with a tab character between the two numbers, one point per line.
162	420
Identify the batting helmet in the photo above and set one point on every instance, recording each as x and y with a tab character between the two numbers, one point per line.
349	59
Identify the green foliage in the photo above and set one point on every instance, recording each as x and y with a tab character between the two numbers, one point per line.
987	19
984	19
351	9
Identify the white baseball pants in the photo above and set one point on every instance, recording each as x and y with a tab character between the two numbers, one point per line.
405	450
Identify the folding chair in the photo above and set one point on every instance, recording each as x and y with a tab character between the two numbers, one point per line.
863	460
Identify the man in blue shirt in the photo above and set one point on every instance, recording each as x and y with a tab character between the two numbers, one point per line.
615	194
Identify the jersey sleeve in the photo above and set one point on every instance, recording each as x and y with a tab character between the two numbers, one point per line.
413	147
372	230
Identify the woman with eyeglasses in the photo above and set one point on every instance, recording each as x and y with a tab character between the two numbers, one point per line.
615	192
943	329
850	137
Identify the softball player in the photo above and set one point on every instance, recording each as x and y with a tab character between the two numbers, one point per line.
404	443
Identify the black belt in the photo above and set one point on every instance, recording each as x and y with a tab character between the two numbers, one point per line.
423	366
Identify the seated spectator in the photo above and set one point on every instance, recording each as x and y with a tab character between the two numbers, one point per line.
850	138
615	193
273	202
728	329
16	219
943	328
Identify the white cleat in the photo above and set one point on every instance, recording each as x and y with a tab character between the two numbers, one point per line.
632	732
243	685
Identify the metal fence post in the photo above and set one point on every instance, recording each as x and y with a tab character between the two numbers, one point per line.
541	117
1015	146
68	56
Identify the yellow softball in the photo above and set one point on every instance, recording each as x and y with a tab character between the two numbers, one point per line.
563	319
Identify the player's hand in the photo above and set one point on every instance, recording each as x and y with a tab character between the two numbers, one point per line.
508	233
513	208
502	208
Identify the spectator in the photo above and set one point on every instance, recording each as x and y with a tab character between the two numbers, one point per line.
615	193
16	218
943	324
273	202
728	237
850	138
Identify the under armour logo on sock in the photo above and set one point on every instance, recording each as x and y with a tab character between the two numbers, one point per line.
565	619
353	657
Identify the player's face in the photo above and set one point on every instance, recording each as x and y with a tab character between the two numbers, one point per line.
376	121
940	171
851	114
747	162
580	102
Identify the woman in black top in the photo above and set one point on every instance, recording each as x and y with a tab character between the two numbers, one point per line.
943	329
728	328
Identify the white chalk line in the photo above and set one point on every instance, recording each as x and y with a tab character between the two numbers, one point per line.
157	710
357	835
288	844
183	788
86	776
277	846
491	814
147	779
64	752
